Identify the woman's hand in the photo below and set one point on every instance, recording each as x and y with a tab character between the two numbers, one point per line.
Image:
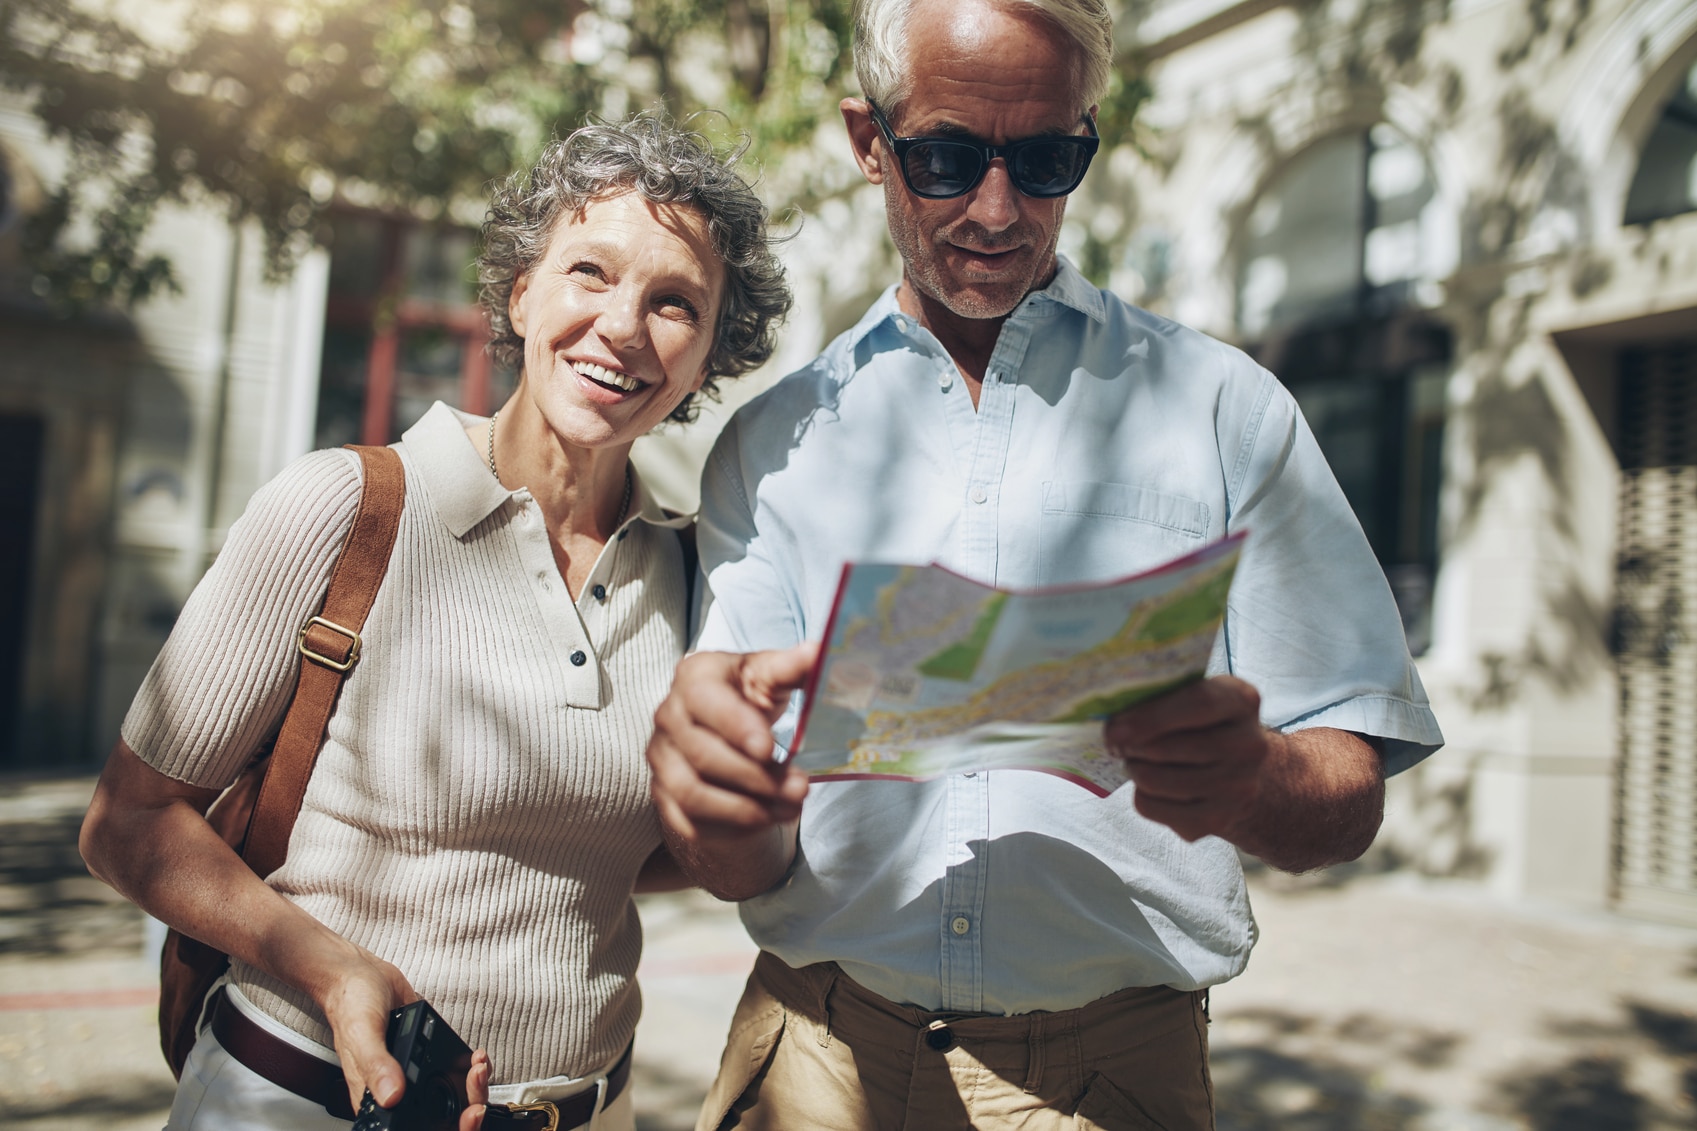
358	992
477	1091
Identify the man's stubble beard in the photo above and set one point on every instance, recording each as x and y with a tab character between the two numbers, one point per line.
922	260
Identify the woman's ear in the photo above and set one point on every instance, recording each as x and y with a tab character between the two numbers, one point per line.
864	137
515	304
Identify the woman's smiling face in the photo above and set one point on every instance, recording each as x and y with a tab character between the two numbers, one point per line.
618	318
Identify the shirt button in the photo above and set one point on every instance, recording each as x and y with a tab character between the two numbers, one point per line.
979	494
579	659
600	592
961	925
945	378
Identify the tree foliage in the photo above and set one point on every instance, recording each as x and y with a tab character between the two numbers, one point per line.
274	111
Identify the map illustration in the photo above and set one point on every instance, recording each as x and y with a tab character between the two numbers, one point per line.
926	672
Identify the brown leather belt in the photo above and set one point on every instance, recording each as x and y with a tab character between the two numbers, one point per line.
321	1082
277	1060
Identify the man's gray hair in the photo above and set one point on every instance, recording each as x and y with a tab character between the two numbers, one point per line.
880	45
649	154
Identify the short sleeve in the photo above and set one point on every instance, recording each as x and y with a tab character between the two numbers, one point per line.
220	685
1311	621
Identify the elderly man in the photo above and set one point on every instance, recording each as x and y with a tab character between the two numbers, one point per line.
1005	949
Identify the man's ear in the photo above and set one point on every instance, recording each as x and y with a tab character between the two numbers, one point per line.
515	308
864	137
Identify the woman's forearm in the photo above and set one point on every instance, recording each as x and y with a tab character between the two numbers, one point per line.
146	836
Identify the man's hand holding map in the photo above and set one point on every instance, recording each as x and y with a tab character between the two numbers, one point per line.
926	673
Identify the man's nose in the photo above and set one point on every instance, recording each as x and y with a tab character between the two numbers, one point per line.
995	202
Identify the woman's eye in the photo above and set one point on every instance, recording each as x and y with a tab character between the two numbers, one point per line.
586	268
681	306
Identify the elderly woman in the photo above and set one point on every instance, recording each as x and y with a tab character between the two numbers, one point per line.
479	813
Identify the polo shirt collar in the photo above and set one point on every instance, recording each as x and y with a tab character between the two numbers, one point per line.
456	475
1068	288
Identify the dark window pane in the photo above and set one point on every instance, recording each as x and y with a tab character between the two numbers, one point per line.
341	386
1666	181
428	371
439	265
356	256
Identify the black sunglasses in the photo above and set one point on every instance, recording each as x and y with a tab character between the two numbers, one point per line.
938	168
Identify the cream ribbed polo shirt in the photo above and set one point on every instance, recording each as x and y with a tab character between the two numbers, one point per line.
480	808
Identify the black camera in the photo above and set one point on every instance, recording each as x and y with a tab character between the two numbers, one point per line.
435	1062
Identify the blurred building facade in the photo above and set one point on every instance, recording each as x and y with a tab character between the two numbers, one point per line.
134	441
1464	234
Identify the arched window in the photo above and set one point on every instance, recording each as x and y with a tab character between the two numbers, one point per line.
1353	224
1666	181
1333	257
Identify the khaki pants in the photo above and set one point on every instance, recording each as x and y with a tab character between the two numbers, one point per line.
811	1050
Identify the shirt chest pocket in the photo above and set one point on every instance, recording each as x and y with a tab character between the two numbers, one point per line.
1100	531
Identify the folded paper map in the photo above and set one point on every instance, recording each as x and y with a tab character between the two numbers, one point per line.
926	672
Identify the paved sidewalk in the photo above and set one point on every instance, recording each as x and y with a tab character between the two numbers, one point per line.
1372	1004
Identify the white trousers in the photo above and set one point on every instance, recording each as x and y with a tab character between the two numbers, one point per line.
218	1093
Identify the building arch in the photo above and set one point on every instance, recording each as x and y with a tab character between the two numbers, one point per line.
1629	75
1255	154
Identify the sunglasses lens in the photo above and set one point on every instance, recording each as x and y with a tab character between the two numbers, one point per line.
941	169
1049	168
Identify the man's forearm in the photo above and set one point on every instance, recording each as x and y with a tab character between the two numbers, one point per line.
735	868
1320	802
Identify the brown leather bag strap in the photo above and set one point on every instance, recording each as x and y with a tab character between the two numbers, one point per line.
329	645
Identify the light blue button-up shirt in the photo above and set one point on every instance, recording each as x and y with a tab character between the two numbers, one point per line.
1105	440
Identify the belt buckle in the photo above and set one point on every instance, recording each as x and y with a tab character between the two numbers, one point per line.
546	1107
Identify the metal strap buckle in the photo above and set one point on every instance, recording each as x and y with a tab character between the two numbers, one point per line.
546	1107
329	661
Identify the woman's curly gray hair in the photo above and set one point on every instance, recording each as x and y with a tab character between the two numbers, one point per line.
649	154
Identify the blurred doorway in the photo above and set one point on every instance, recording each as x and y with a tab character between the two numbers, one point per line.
21	445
